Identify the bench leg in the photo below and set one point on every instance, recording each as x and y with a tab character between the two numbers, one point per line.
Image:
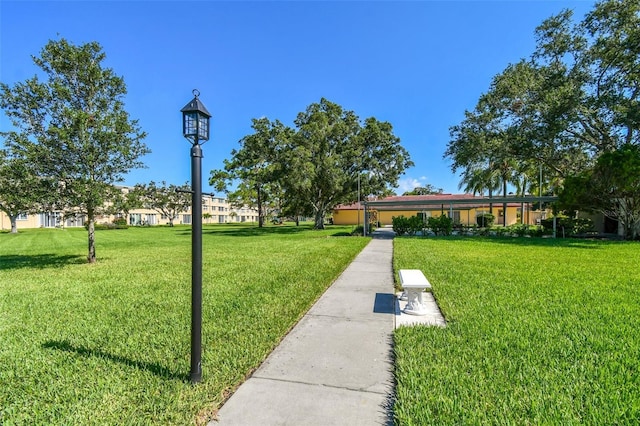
415	303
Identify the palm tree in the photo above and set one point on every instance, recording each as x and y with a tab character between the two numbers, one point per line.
477	179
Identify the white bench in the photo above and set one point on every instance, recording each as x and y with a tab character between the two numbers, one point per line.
414	283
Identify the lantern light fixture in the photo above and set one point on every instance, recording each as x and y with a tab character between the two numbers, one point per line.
195	120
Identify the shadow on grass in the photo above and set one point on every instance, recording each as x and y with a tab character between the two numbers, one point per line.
247	231
154	368
581	243
550	242
39	261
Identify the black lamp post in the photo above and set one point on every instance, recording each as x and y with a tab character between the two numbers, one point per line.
195	127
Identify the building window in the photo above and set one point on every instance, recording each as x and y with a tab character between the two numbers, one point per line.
424	216
50	219
22	216
186	219
135	219
76	220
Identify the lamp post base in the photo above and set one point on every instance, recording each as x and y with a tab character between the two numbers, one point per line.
196	377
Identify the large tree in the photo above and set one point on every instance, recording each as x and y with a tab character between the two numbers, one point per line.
316	166
589	99
168	200
256	167
482	147
611	188
73	128
575	99
331	148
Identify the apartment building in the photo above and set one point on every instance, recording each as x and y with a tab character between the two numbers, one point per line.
214	210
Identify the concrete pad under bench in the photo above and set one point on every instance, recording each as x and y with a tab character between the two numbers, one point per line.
433	317
415	306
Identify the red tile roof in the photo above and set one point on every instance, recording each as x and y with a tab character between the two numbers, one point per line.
413	202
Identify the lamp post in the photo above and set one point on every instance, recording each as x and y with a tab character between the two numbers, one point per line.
195	127
359	200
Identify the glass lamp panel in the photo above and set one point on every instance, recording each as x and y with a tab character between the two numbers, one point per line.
203	127
190	123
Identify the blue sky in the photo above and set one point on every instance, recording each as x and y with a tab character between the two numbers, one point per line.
416	64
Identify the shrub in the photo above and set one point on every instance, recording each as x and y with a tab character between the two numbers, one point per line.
519	229
442	225
358	231
570	226
400	225
536	231
120	221
416	224
485	220
501	231
106	226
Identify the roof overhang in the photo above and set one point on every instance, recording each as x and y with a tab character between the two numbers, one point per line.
382	204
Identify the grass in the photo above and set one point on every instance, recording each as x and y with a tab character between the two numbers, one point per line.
109	343
539	332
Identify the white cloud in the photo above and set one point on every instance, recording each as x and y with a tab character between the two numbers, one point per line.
409	184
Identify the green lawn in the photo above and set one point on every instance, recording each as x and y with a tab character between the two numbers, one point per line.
109	343
539	332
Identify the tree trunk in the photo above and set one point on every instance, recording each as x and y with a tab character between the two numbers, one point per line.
91	257
14	224
504	205
490	203
260	210
319	219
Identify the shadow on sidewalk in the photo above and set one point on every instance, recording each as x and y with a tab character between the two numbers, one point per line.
383	234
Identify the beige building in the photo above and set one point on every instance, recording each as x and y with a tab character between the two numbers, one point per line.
214	210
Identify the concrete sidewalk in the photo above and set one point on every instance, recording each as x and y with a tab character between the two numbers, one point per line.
335	367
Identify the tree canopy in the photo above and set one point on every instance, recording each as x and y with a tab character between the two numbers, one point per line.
576	98
257	167
612	188
428	189
72	128
316	166
168	200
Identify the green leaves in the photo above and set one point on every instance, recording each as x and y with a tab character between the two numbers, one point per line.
315	167
259	166
72	126
575	99
169	201
612	188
